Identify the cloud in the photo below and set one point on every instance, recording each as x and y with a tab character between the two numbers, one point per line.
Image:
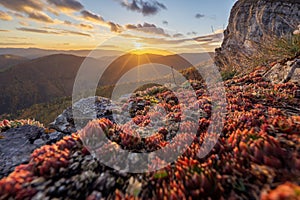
198	15
64	31
16	14
81	25
205	42
215	37
152	40
75	33
189	46
178	35
150	7
147	28
165	22
32	8
67	5
40	16
23	23
53	31
34	30
87	15
86	26
54	11
4	16
17	38
115	27
67	22
23	5
192	33
15	44
209	47
164	41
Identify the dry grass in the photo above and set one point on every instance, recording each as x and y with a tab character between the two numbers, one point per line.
272	49
276	48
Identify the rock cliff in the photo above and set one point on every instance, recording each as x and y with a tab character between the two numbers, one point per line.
250	23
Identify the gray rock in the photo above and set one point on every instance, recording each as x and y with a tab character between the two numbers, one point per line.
54	137
250	23
289	71
85	110
19	143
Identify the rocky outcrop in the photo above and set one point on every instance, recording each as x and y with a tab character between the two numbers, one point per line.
18	143
86	108
250	23
284	72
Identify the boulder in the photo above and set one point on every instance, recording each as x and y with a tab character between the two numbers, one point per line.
284	72
85	109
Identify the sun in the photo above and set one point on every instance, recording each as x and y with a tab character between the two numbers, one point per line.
143	50
138	45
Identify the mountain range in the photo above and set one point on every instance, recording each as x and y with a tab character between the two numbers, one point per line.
26	81
9	60
32	53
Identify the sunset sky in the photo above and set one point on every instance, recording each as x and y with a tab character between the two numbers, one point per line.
175	25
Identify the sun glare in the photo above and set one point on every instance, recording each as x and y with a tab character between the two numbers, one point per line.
142	51
138	45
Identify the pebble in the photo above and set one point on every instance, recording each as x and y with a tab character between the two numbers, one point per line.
38	181
290	63
74	166
62	189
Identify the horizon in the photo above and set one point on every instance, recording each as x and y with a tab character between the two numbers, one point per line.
88	53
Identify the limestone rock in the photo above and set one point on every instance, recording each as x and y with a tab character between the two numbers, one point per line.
288	71
250	22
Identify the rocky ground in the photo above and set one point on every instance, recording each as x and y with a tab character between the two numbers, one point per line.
17	144
256	156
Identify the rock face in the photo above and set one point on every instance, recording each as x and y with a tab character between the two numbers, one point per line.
250	22
18	143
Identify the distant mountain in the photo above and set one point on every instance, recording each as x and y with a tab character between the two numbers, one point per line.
46	78
9	60
39	80
127	62
32	53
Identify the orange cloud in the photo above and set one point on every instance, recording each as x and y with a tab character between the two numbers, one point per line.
32	8
40	16
53	31
4	16
86	26
89	16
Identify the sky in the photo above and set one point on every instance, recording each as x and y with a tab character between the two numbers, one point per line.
171	25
